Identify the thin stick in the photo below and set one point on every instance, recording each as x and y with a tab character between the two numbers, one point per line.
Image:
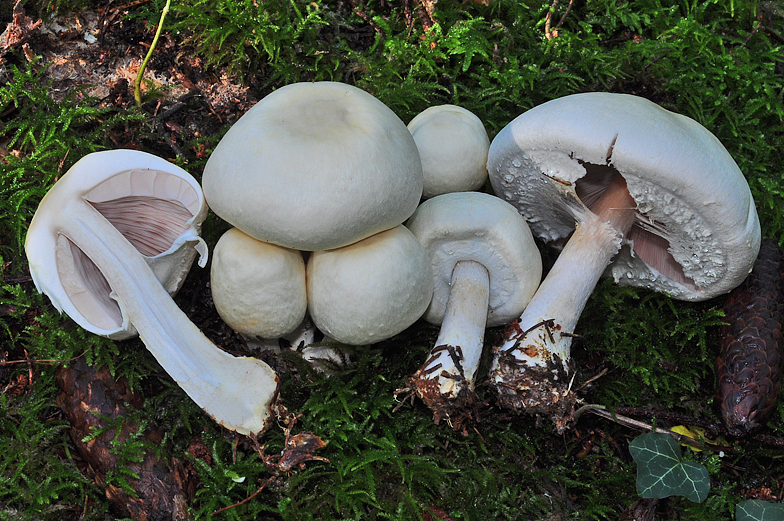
630	422
137	95
224	509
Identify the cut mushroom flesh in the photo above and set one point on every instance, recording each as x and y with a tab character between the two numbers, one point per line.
97	275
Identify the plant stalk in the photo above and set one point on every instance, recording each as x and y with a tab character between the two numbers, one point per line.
137	94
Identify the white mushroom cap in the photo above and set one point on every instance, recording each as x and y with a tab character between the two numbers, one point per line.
697	232
315	166
156	205
478	227
370	290
258	288
453	145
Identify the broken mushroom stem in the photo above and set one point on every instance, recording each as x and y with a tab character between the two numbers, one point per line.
236	392
531	368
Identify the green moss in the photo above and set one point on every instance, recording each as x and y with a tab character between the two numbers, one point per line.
718	62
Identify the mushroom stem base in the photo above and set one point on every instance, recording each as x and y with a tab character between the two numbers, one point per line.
446	381
534	389
456	406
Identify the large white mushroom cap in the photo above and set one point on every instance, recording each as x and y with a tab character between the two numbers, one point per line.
453	145
315	166
258	288
697	233
370	290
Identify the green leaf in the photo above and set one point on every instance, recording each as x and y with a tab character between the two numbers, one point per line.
662	473
757	510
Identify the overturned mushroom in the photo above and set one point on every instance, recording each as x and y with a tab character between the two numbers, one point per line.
85	247
658	202
486	268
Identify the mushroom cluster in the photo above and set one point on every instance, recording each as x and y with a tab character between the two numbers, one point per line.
646	195
109	243
325	168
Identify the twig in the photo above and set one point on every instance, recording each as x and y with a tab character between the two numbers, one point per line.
550	33
137	95
752	33
714	428
224	509
600	410
547	19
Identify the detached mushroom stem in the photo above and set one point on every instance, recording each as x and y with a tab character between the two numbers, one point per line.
531	368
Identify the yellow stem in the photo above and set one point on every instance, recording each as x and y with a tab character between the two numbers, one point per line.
137	95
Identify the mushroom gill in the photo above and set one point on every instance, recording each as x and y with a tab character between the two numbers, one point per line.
649	239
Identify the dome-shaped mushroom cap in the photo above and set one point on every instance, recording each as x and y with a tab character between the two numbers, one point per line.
697	233
370	290
453	145
156	205
478	227
258	288
315	166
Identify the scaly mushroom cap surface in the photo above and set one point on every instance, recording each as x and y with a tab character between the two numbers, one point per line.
482	228
697	231
453	146
370	290
258	288
315	166
156	205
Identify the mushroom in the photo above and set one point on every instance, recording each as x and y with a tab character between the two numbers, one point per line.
318	167
453	145
315	166
370	290
649	196
85	246
258	288
486	268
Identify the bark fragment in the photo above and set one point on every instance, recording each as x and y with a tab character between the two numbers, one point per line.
92	400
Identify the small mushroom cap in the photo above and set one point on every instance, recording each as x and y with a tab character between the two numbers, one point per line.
453	145
479	227
370	290
258	288
156	205
315	166
697	233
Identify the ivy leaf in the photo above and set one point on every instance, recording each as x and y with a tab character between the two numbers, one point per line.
756	510
662	473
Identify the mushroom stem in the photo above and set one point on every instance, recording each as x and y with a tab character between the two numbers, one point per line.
531	368
446	380
236	392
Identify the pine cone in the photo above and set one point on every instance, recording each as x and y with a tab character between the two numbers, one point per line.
749	364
